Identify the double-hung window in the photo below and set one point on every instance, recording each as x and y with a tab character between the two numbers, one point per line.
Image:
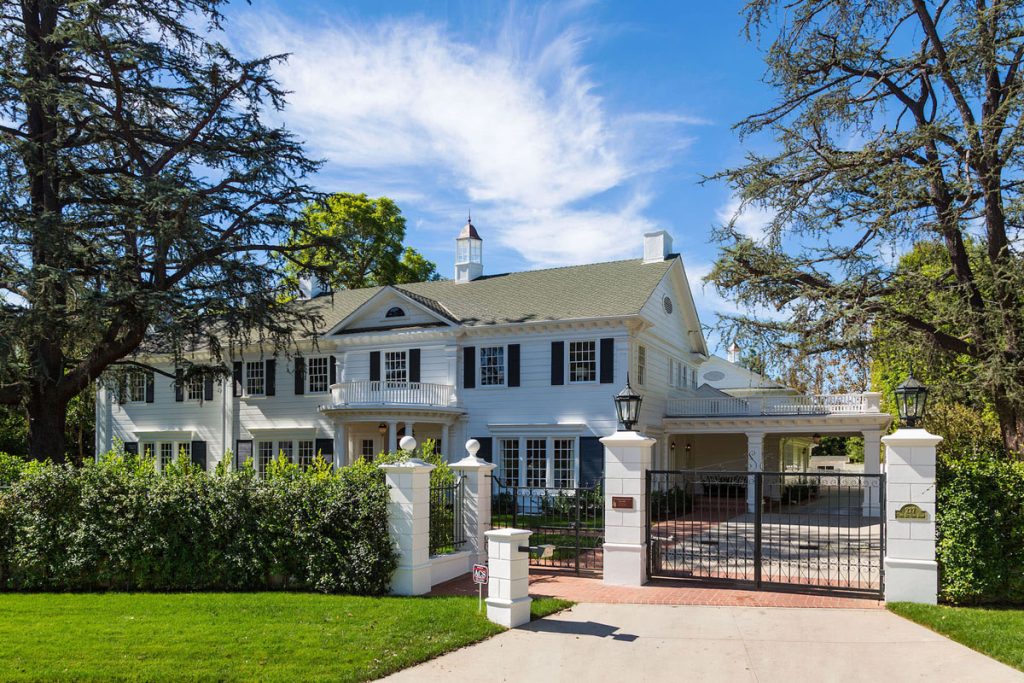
285	448
366	449
166	455
563	451
583	361
510	462
492	366
396	367
194	389
536	462
318	374
135	386
264	456
306	454
255	379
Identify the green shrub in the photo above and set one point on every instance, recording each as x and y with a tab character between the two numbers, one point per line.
119	525
980	520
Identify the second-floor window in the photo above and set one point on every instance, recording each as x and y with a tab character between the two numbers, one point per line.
135	388
396	367
492	366
583	361
194	390
255	379
318	374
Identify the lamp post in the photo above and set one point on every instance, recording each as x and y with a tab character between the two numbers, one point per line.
627	406
911	400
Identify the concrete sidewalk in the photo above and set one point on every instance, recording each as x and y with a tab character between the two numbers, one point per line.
594	642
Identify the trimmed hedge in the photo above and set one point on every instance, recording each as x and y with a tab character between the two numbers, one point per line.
980	519
119	525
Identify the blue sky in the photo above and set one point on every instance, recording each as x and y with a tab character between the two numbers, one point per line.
568	128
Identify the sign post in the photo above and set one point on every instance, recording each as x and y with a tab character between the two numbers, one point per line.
480	578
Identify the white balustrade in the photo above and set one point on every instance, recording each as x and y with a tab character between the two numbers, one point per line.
828	404
393	393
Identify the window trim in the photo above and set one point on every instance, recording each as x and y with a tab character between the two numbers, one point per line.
197	384
549	439
568	363
480	366
130	385
308	379
245	378
384	366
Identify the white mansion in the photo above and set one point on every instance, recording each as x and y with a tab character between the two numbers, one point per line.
526	363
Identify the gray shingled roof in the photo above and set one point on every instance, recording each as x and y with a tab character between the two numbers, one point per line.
598	290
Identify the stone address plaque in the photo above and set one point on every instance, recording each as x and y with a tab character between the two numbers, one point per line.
622	502
911	512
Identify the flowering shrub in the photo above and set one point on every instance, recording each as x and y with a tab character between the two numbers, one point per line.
118	524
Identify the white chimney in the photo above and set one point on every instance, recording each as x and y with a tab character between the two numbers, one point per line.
657	246
311	287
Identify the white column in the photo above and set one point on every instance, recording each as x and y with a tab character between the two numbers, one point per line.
409	522
340	444
392	445
755	463
872	465
508	586
627	457
476	513
911	573
446	445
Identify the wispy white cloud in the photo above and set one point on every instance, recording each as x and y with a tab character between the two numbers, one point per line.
750	220
516	129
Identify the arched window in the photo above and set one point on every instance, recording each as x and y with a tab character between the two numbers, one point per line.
394	312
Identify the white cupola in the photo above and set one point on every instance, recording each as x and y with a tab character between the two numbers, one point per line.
469	254
734	352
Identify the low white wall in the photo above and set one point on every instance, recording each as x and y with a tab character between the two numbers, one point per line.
447	567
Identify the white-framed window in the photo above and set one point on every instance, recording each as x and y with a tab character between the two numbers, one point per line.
536	462
396	367
318	373
285	448
166	455
366	449
492	366
194	389
583	361
185	451
563	455
255	378
641	364
149	450
264	456
509	461
306	453
135	386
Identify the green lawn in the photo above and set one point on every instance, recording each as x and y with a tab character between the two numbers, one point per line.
998	633
231	636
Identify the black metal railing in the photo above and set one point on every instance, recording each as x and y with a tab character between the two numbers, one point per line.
570	519
447	517
818	530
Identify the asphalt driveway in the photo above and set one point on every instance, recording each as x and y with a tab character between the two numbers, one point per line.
595	642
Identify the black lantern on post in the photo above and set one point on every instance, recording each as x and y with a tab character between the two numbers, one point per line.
911	400
627	406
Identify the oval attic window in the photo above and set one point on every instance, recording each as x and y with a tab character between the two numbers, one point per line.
394	312
667	303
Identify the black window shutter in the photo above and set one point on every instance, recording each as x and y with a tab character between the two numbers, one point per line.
325	448
469	367
607	361
513	365
236	373
150	387
179	386
270	368
591	460
208	388
557	363
414	365
332	370
485	448
374	366
300	375
199	454
131	447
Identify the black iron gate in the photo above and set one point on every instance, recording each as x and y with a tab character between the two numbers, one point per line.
819	530
569	519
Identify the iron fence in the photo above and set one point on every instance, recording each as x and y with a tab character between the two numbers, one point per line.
447	515
570	519
818	530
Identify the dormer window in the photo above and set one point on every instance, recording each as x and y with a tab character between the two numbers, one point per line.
395	312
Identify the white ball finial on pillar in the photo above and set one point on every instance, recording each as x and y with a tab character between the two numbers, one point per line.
407	443
472	447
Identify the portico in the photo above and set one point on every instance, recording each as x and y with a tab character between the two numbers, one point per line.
360	432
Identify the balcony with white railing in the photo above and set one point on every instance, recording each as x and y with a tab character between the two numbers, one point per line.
828	404
383	393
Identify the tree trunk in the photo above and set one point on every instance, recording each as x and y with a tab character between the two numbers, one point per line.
1011	425
47	420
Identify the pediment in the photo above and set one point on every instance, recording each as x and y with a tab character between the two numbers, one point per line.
391	308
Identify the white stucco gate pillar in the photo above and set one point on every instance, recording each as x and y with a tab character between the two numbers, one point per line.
508	596
477	511
872	466
627	458
409	524
911	572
